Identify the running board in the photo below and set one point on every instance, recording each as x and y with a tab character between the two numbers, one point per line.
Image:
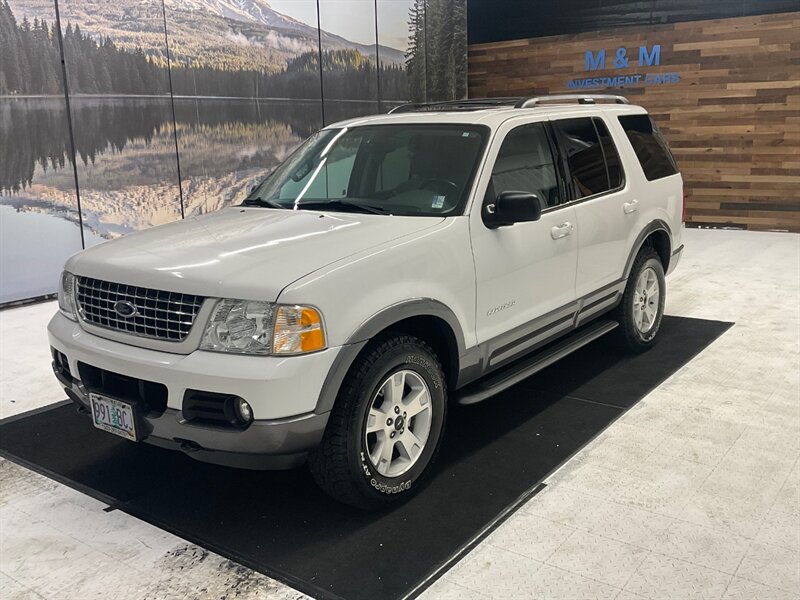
496	383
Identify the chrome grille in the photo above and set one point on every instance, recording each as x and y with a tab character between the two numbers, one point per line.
160	315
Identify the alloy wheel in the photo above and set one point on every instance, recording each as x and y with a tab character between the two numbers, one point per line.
646	298
398	423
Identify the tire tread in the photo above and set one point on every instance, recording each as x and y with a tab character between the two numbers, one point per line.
329	462
626	334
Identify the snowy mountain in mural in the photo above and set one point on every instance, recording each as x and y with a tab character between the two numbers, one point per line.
226	34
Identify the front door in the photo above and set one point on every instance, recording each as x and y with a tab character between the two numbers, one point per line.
525	273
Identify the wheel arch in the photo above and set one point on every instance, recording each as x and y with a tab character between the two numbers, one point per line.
428	319
658	236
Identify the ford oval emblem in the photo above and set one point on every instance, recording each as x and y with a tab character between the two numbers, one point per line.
125	309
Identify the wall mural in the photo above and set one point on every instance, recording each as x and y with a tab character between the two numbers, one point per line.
178	107
115	74
39	219
234	123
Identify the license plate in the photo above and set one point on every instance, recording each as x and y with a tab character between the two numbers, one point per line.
113	416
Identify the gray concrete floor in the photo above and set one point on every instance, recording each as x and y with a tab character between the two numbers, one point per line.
694	493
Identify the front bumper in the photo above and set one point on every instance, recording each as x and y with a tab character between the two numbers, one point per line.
283	393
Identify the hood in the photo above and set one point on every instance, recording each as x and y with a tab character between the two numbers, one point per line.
238	252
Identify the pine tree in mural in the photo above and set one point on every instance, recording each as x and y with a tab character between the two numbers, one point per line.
103	68
29	57
415	57
30	61
436	61
457	54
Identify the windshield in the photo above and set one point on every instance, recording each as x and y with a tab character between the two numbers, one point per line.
423	170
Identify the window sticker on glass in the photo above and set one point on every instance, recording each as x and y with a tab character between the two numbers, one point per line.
438	202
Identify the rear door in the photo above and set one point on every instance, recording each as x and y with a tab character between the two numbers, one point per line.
605	207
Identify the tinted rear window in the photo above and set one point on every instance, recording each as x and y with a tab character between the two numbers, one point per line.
610	152
587	166
650	146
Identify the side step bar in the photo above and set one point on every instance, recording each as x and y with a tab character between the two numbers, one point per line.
496	383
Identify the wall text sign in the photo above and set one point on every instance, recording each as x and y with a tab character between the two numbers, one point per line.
599	60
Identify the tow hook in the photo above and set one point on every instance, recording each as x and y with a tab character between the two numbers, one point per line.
189	446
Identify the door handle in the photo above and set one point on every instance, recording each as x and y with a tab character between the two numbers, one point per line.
629	207
560	231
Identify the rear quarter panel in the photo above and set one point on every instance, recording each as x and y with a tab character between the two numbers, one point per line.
659	200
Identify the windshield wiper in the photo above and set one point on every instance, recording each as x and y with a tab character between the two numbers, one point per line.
342	203
264	202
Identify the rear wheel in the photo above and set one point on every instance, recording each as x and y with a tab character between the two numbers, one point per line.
386	425
642	306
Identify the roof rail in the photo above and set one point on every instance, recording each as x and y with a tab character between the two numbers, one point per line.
516	102
471	104
579	98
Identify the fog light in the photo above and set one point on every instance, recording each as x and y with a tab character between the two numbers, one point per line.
243	410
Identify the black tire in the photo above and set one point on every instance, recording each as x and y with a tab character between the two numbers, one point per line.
340	464
629	335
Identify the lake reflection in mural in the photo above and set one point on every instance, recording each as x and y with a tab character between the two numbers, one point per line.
226	146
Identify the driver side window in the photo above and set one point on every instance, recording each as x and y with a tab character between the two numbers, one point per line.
525	164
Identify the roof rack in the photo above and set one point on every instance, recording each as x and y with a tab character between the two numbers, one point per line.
515	102
471	104
579	98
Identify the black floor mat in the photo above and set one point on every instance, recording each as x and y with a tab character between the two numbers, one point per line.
494	456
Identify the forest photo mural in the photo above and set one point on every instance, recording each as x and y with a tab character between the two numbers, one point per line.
172	108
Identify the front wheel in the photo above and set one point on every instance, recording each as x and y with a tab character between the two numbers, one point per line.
642	306
385	427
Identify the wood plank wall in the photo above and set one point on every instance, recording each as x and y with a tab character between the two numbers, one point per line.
733	121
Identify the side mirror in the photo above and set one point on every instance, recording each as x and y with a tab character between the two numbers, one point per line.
512	207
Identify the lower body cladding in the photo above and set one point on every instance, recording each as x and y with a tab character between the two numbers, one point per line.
192	402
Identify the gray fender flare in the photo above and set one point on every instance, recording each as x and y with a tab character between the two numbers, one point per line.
417	307
651	227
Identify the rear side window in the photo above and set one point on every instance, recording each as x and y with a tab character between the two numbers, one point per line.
581	145
650	146
610	153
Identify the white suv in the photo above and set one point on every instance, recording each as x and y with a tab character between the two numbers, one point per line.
391	264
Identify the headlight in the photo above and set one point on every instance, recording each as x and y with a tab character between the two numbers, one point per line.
243	326
298	329
254	327
66	295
